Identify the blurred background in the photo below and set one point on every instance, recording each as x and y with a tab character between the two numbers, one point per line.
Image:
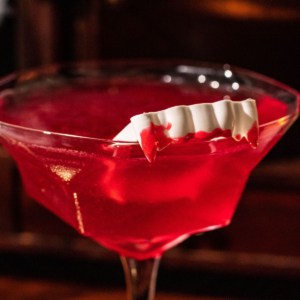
256	257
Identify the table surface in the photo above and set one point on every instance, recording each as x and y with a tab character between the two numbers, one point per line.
15	288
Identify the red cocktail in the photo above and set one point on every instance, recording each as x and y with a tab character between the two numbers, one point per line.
58	124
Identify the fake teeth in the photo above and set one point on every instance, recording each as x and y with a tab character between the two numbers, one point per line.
156	130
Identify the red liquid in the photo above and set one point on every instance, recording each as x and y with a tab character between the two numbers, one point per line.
112	193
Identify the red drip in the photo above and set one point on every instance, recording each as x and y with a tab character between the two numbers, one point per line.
154	138
252	135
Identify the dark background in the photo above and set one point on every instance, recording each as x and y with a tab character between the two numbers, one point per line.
263	36
258	255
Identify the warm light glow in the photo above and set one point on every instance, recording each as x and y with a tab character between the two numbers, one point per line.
228	74
167	78
183	69
201	78
78	213
245	9
214	84
65	173
235	86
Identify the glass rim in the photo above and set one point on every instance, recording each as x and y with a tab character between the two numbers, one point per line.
28	74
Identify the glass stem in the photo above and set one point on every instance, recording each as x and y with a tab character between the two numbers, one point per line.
140	277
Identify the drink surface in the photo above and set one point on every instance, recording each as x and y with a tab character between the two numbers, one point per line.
110	192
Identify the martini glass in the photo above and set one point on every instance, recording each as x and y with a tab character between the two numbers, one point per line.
58	123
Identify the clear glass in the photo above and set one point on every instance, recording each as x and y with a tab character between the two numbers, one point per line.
58	124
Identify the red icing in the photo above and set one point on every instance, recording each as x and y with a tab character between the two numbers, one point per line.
154	138
252	135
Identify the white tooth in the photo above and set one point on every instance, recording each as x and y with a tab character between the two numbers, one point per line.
154	118
203	117
139	123
224	114
238	130
245	116
180	121
127	134
250	110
